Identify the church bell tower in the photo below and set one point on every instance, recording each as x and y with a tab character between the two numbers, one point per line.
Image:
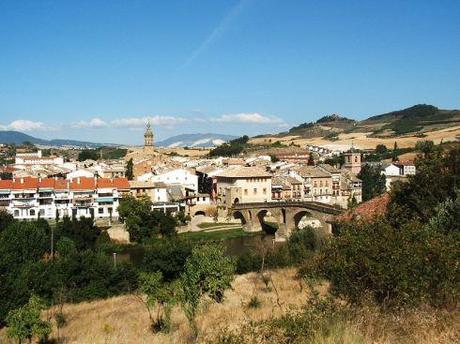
148	136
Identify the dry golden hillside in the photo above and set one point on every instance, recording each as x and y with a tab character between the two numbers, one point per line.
124	319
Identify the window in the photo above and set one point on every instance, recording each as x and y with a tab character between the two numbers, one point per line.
100	210
356	159
16	213
42	212
265	191
255	191
245	192
32	212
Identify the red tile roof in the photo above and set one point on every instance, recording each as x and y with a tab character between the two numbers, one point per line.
46	183
61	184
83	183
104	183
25	183
121	183
6	184
368	210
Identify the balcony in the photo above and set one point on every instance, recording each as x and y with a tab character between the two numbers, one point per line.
25	203
24	196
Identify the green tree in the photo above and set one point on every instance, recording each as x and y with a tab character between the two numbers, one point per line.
207	272
129	169
88	154
373	181
5	219
142	222
25	323
426	147
406	266
394	156
168	256
436	180
381	149
157	295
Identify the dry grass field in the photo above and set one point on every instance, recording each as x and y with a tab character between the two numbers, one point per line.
124	319
363	141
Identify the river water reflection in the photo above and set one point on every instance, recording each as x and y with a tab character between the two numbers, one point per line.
234	247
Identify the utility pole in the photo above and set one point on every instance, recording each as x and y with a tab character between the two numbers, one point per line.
52	242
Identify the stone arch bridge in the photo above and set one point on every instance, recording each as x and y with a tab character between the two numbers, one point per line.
286	214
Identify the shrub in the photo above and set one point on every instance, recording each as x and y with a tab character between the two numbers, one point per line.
396	267
248	262
167	256
302	243
207	272
254	302
25	322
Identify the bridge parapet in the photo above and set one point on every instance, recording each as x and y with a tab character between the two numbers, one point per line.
318	206
288	215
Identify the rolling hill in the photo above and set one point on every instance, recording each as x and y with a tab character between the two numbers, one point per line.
406	126
16	137
415	119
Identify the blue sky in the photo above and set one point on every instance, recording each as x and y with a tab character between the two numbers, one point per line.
96	70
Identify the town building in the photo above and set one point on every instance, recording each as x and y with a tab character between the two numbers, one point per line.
32	198
36	158
243	185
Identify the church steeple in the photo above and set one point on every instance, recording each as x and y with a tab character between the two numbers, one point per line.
148	135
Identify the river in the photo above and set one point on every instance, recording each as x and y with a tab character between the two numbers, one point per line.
234	247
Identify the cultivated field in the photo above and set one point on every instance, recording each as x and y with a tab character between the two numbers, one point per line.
363	141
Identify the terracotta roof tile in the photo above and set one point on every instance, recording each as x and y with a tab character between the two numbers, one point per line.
6	184
368	210
104	183
46	183
61	184
83	183
121	183
25	183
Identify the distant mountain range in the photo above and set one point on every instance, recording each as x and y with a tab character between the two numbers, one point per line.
195	140
189	140
16	137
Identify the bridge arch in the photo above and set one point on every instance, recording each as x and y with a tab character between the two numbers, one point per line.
271	227
200	212
239	216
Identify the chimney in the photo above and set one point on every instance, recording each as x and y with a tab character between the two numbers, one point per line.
78	180
21	180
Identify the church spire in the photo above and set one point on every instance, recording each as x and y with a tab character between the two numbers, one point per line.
148	135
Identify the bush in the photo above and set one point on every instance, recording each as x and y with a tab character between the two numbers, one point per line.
396	267
248	262
167	256
302	243
254	302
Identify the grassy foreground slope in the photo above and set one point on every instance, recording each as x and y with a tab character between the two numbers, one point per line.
124	319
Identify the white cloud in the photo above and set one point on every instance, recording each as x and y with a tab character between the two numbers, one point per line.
25	125
140	122
95	123
255	117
